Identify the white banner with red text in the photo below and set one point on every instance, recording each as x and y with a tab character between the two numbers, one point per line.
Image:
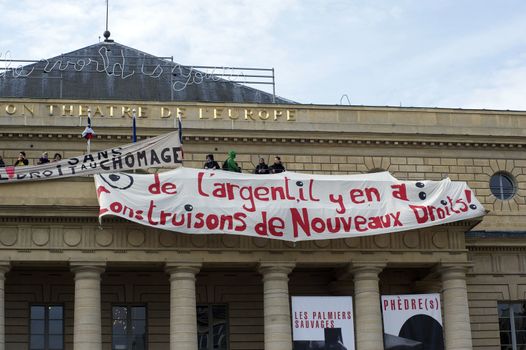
323	322
412	321
160	151
287	206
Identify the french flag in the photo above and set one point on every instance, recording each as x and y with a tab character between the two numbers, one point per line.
180	127
88	132
134	127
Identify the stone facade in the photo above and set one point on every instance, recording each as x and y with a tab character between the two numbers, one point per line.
53	248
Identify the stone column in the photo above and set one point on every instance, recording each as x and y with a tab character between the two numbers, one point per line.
278	334
87	318
4	267
457	327
367	308
183	313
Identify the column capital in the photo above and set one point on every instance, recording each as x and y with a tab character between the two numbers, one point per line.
5	266
374	267
192	267
87	266
284	267
450	271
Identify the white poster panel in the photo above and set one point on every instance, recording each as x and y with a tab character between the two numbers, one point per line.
412	321
286	206
160	151
322	322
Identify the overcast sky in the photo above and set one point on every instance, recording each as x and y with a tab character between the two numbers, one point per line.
448	53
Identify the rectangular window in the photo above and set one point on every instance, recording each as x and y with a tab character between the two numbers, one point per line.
512	325
46	327
129	327
212	327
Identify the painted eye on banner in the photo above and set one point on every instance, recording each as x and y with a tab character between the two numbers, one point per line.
422	195
119	181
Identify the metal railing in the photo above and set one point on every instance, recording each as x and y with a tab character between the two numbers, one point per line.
117	66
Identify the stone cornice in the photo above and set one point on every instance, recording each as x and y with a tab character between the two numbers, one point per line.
497	248
20	214
496	242
50	214
439	141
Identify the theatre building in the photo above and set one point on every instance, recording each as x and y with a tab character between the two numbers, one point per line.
68	281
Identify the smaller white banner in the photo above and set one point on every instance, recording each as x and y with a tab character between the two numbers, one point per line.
160	151
412	321
322	322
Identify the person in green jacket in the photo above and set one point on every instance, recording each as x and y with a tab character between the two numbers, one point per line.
230	163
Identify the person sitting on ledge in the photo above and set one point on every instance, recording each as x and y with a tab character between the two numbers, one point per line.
43	159
262	167
57	157
210	163
21	160
277	167
230	163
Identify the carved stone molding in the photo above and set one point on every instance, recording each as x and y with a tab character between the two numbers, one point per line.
130	237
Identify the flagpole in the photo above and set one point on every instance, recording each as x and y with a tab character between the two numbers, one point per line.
134	127
180	127
89	139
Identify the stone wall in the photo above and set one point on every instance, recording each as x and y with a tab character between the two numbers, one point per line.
55	221
498	275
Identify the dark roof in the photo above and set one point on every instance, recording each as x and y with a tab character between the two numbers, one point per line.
112	71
